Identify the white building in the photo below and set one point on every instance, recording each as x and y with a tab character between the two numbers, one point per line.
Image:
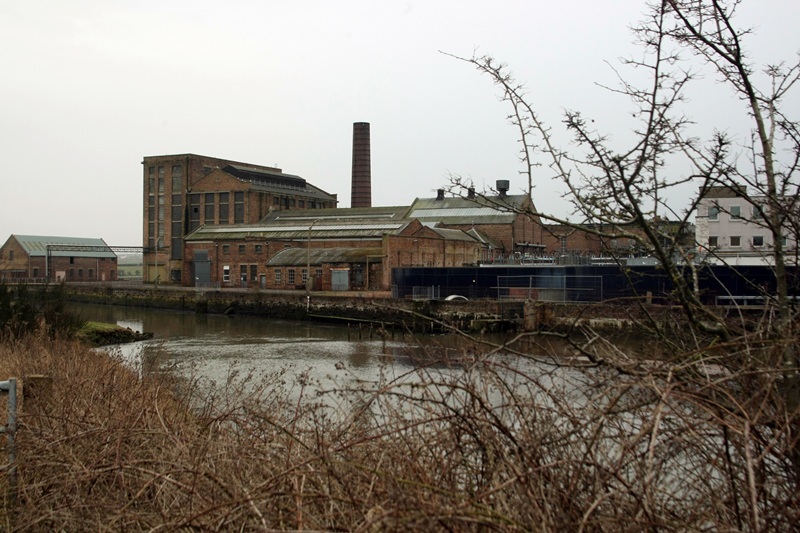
730	227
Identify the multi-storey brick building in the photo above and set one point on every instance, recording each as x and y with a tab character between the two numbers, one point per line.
56	259
183	192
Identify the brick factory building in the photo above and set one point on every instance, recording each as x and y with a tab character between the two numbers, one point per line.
40	259
503	221
186	191
331	249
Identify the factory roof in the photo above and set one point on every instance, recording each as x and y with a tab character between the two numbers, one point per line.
37	245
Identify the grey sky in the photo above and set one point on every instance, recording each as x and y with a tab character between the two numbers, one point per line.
90	87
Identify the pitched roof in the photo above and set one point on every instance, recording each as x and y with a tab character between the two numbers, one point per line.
318	256
478	210
273	182
301	230
37	245
338	213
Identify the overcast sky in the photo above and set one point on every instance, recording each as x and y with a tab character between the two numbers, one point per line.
90	87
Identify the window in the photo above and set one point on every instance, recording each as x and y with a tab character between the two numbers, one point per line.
758	241
177	178
226	273
563	244
35	272
242	248
713	241
151	180
243	274
160	180
194	211
11	255
224	199
713	213
736	212
208	205
226	248
278	273
253	272
302	203
176	245
304	276
71	273
91	273
238	208
291	276
736	241
80	273
258	248
318	274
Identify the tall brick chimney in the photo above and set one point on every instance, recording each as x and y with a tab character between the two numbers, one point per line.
361	187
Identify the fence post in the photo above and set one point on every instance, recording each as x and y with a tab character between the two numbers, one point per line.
10	430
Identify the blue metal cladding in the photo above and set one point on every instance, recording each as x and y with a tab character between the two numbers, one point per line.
586	283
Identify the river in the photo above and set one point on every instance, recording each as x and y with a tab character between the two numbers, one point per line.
215	345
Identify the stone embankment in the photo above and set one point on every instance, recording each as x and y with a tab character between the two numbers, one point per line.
376	308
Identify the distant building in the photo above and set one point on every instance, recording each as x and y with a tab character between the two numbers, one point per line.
55	259
730	226
183	192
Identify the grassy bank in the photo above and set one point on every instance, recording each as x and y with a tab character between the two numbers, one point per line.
103	334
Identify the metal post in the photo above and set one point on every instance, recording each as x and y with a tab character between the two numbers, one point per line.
11	432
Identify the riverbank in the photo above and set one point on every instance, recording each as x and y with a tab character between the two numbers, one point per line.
378	309
275	451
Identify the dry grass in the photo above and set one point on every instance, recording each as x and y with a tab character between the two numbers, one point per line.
490	445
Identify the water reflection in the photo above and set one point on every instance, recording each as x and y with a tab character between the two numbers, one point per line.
214	346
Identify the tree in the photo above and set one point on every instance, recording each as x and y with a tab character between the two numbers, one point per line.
623	192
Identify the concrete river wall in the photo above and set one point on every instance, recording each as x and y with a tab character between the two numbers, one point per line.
368	309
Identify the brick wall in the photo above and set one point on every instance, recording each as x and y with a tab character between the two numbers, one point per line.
60	268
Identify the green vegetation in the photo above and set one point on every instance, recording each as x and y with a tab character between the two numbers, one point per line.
25	310
102	334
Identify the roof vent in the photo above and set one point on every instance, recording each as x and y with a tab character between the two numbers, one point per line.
439	194
502	188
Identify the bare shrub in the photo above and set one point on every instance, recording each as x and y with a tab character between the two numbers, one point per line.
487	442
